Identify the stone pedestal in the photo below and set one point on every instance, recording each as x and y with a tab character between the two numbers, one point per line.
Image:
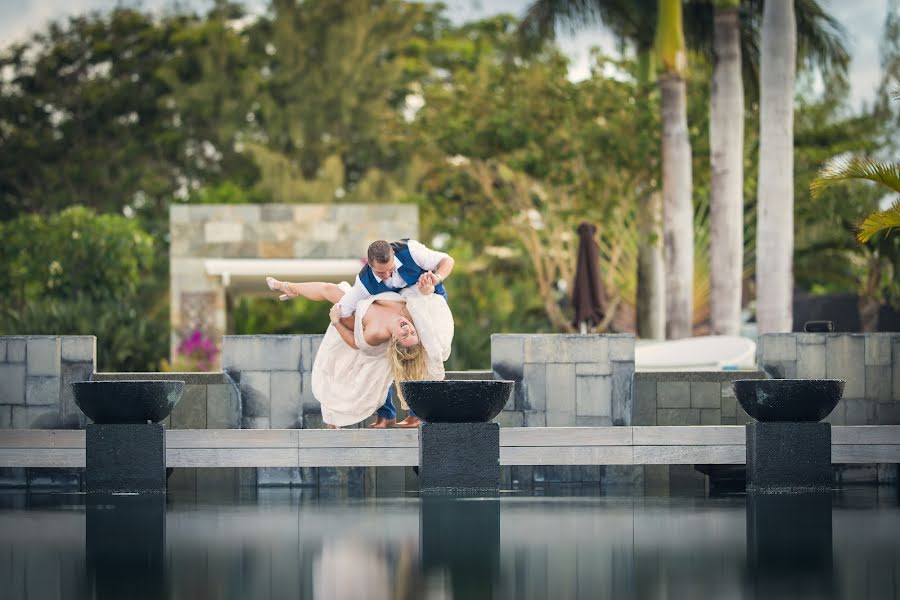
459	457
125	458
789	457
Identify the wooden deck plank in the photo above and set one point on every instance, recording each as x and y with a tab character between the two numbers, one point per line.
358	438
868	453
865	434
42	438
232	457
688	435
566	455
42	457
565	436
358	457
690	455
231	438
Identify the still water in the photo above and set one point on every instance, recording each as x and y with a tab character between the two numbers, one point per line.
292	544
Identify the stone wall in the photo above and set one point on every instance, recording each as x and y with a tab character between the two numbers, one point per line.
869	362
35	373
566	380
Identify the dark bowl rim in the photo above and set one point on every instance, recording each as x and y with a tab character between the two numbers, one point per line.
470	381
807	380
132	381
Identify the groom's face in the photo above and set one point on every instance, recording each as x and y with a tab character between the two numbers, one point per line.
383	270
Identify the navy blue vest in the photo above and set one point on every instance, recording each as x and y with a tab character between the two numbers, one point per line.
409	271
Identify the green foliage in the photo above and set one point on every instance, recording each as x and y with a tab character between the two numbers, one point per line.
76	272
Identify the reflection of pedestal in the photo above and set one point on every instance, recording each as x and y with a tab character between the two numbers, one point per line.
789	544
125	458
459	457
125	546
462	538
789	457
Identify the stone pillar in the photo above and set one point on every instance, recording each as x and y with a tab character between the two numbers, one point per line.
459	457
789	457
125	458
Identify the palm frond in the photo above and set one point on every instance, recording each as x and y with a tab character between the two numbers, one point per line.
878	221
844	169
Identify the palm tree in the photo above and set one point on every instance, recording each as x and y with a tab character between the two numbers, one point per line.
726	141
633	22
775	190
678	230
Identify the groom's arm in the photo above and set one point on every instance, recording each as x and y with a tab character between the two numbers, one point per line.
357	294
440	263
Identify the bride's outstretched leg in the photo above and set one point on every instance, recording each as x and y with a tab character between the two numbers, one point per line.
313	290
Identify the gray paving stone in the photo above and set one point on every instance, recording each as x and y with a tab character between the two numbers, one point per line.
729	421
42	390
729	406
838	416
860	412
888	414
777	347
255	423
807	339
12	384
673	394
741	416
727	389
706	394
622	408
678	416
590	421
621	347
593	396
560	394
2	350
308	402
811	361
223	407
70	416
510	418
35	417
79	348
43	356
878	383
644	404
784	369
604	368
5	416
895	377
190	412
508	355
710	416
255	393
845	359
286	400
261	352
531	393
878	349
535	418
15	350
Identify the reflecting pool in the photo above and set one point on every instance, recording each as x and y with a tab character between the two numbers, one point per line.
297	544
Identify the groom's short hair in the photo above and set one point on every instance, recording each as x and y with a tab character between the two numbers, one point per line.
380	251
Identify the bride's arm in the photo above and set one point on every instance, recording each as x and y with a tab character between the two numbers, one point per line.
345	332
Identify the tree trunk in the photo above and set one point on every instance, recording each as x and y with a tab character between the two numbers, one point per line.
679	215
726	141
651	282
775	191
651	275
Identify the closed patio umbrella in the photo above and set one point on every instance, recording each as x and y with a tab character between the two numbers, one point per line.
587	293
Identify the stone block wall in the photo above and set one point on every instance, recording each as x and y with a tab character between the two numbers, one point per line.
35	373
566	380
868	362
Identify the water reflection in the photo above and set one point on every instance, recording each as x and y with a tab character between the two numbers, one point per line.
283	544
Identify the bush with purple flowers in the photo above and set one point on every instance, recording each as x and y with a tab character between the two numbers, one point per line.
196	352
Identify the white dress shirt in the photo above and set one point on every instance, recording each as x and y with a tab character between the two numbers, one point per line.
423	256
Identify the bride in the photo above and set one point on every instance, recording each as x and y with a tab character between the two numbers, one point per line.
392	336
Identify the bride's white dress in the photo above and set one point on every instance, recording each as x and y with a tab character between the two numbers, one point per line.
352	384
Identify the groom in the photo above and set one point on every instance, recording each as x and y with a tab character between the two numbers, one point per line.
394	266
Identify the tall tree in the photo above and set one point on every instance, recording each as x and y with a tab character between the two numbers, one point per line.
726	140
775	190
676	172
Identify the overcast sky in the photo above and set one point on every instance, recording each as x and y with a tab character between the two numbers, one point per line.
863	20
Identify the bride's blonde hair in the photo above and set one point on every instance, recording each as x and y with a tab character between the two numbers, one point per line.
407	364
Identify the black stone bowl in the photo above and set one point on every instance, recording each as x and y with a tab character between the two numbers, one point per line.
791	400
119	402
457	401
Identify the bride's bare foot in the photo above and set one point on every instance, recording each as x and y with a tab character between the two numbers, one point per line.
329	426
280	286
409	422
